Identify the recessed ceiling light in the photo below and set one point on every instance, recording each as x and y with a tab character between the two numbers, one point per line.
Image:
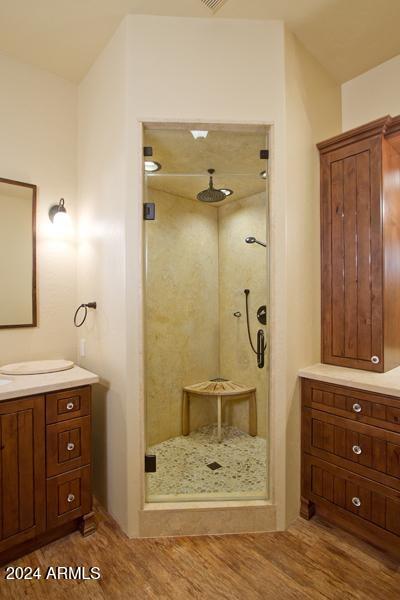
197	133
263	174
150	166
227	192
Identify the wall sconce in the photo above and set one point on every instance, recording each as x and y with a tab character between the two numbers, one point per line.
58	214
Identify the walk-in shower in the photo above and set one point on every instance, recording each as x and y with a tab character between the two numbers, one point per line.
206	380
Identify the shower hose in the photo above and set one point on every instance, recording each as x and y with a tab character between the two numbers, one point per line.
247	292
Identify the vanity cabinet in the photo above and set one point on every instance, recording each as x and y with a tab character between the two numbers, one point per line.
360	238
351	461
22	471
45	469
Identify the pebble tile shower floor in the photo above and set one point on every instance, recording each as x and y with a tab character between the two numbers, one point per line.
197	467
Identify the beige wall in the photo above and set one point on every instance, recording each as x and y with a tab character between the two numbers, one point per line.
38	145
372	95
187	58
182	345
313	113
102	170
197	266
242	266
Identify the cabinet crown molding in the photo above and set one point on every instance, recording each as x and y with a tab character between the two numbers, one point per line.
380	126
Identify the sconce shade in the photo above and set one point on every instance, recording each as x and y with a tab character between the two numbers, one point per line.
57	211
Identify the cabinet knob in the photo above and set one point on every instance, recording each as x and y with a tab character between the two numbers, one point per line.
375	360
70	405
357	450
356	501
70	498
70	446
357	407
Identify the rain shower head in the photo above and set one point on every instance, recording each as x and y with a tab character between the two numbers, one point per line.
211	194
252	240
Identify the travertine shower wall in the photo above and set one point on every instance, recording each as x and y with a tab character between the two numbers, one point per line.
242	266
181	311
196	270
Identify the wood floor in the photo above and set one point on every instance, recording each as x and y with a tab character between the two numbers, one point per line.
310	560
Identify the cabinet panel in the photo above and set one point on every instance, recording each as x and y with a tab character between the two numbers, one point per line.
352	294
22	470
369	451
356	405
68	404
68	496
374	503
68	445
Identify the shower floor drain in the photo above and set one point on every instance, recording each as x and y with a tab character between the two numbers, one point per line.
214	465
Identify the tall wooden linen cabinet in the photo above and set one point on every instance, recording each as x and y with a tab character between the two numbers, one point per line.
351	437
360	246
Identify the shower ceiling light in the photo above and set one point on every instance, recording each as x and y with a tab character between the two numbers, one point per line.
197	133
226	191
151	166
263	174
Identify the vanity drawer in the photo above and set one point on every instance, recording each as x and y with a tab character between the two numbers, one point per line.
357	405
68	445
67	404
68	496
369	451
351	494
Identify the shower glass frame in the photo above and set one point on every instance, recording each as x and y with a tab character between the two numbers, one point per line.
209	499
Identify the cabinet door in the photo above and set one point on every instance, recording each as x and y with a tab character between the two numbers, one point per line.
351	241
22	470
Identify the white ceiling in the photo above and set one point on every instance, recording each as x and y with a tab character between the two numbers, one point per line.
348	37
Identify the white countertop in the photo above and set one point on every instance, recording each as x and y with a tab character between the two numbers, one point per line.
382	383
28	385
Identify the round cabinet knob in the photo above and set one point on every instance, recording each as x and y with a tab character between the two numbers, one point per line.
70	405
357	450
357	407
70	498
356	501
70	446
375	360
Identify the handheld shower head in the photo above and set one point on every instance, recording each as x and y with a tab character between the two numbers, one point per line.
253	240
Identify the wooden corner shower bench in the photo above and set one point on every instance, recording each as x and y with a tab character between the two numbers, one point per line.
219	389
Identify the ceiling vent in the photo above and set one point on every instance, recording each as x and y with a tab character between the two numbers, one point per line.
213	5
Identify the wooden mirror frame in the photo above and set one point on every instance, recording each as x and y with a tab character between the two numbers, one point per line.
34	294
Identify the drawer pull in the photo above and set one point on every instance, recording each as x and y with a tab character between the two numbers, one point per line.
70	446
375	360
71	498
357	450
70	405
356	501
357	407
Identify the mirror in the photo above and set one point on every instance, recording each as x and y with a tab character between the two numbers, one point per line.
17	254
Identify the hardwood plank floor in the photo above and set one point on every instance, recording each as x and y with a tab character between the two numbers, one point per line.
312	560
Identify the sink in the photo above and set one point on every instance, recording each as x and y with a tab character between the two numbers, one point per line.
5	381
35	367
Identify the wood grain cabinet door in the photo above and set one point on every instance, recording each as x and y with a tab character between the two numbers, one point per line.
351	243
22	470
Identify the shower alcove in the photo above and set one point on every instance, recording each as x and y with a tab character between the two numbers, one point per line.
206	187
